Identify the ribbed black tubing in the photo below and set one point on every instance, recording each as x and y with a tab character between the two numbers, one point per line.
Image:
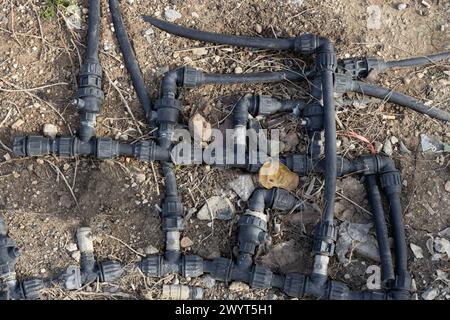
129	57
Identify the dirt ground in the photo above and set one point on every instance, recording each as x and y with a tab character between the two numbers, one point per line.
39	65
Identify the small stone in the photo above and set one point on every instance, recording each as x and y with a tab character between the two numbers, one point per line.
208	281
402	6
378	146
16	125
199	51
277	228
387	148
394	140
238	70
243	186
76	255
403	149
447	186
7	156
418	252
200	129
216	208
430	294
148	34
272	296
150	250
442	245
239	287
445	232
140	177
43	270
426	4
107	46
171	15
186	242
258	28
291	140
71	247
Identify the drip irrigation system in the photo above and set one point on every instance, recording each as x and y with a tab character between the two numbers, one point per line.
327	75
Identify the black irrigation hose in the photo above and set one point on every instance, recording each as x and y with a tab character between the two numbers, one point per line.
400	99
330	145
93	32
169	179
373	193
417	61
129	57
240	41
258	77
398	231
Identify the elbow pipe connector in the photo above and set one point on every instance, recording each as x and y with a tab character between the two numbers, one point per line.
89	270
10	288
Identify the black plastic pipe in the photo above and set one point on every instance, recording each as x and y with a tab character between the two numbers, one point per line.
398	231
330	144
130	59
257	77
93	33
373	193
400	99
261	43
417	61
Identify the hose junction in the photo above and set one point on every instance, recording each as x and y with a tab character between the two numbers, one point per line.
328	76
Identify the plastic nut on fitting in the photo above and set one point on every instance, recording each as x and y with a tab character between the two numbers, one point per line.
192	77
151	266
324	239
192	266
167	109
32	288
261	277
306	43
110	271
220	269
294	285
